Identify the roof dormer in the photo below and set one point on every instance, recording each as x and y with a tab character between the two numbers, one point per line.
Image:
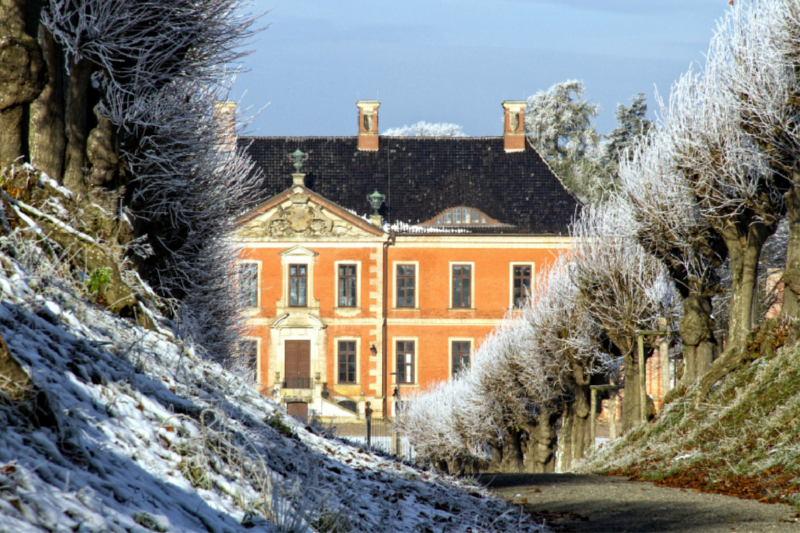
463	216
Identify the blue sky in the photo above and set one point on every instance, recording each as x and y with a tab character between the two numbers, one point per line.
457	60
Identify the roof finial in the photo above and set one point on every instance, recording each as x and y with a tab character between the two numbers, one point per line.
299	157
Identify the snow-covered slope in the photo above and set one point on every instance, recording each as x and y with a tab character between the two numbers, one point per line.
129	430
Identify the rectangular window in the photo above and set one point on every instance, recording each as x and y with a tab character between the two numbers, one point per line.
448	217
461	351
405	361
522	284
347	361
298	283
248	284
439	220
467	216
462	285
248	350
406	280
457	216
347	285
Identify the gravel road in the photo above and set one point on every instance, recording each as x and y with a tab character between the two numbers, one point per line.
605	504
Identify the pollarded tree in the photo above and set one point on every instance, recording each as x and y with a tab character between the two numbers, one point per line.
621	287
563	363
762	74
669	225
125	118
505	350
739	194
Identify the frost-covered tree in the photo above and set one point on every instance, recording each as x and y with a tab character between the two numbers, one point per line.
670	226
762	74
426	129
563	362
558	124
632	124
739	194
116	101
621	287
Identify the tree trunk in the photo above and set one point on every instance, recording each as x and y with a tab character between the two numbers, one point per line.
10	135
744	252
76	126
513	462
631	408
733	358
22	71
575	430
791	274
496	462
697	335
46	131
540	453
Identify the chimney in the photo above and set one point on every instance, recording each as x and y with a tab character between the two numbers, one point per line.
368	125
514	125
225	117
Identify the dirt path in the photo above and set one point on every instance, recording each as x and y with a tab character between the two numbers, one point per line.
604	504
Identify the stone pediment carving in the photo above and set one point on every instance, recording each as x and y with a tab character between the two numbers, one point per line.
300	218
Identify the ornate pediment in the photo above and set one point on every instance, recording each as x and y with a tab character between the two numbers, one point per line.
299	217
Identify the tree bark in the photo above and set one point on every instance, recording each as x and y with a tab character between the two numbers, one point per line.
744	252
22	71
512	462
733	358
631	411
495	464
791	274
540	452
697	335
46	132
575	430
76	118
10	135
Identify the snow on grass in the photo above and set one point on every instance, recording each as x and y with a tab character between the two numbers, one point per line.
130	430
743	440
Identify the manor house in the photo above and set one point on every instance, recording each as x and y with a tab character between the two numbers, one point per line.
379	264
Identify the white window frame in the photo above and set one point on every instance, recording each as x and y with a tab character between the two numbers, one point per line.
396	264
298	255
415	340
472	295
257	340
347	311
257	308
511	279
450	341
336	381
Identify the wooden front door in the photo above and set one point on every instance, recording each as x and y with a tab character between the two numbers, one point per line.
298	365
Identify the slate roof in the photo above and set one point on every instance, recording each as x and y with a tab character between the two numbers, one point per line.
422	176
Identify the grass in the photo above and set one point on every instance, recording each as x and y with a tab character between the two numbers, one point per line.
743	440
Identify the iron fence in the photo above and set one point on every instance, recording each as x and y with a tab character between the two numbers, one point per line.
378	434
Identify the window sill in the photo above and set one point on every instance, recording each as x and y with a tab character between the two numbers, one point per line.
411	385
405	308
461	309
347	311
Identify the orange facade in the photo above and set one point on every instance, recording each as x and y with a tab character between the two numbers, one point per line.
383	314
